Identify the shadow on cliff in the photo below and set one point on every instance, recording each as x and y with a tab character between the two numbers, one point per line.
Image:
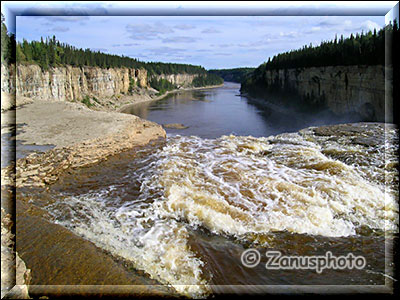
285	113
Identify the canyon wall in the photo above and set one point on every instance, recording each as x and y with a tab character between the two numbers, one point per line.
341	89
180	80
69	83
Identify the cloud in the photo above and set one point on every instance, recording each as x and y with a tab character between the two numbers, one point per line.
208	40
55	19
183	58
99	49
313	30
277	37
369	25
165	51
348	23
60	29
222	53
138	56
147	31
180	39
224	45
341	26
125	45
250	45
42	8
131	44
210	30
329	23
140	32
69	18
291	34
185	26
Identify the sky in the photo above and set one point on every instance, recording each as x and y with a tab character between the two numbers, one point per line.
209	41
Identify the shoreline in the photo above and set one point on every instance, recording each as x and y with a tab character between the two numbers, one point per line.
124	107
81	137
34	228
12	103
32	118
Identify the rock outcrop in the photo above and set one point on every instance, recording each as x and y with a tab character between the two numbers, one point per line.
41	169
180	80
68	83
7	87
341	89
73	83
107	89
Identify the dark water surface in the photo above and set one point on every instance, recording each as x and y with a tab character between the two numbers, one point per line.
211	113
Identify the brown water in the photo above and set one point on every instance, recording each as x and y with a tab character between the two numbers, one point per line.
183	211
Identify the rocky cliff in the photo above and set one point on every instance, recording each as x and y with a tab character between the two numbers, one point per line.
341	89
67	83
71	83
180	80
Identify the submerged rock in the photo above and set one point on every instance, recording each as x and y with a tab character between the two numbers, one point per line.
175	126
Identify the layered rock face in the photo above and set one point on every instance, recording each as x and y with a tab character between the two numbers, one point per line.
342	89
70	83
30	82
7	87
180	80
7	78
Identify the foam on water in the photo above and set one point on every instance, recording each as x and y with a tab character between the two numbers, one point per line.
135	232
240	185
243	187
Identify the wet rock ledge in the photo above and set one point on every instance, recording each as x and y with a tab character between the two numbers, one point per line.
81	137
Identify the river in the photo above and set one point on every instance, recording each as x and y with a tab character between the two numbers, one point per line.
211	113
241	176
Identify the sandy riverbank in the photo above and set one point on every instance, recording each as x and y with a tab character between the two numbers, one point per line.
65	123
81	137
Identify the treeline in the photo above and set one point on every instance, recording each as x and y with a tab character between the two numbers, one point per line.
360	49
158	68
7	44
49	52
207	79
234	75
162	85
